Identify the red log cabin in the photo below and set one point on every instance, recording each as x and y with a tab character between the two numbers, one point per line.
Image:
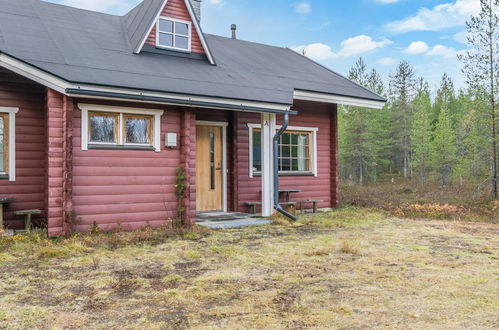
98	112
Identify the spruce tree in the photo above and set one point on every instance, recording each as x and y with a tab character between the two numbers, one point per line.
443	148
421	132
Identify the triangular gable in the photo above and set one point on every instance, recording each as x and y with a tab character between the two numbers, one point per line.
179	9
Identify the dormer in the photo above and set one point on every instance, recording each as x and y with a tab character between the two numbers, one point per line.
170	27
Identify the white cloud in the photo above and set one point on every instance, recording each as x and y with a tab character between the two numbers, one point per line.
387	61
98	5
215	2
387	1
361	44
417	47
349	47
302	7
440	50
461	37
439	17
316	51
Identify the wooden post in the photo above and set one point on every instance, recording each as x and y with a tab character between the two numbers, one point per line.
268	132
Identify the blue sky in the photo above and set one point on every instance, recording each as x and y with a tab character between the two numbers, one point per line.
427	33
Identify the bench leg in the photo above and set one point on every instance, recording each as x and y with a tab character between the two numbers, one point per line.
253	209
27	222
315	207
1	216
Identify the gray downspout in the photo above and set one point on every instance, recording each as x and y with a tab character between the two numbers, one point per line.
277	136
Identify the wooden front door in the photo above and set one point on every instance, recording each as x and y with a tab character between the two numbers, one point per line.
209	168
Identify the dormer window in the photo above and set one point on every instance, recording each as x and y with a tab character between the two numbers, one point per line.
173	34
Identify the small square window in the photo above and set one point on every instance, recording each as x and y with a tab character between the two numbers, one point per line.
103	128
138	129
174	34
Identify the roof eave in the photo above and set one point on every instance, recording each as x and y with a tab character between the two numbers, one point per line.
338	99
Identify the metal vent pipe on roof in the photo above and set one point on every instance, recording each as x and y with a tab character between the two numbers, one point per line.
233	28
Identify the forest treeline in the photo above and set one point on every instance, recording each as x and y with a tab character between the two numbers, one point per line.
440	135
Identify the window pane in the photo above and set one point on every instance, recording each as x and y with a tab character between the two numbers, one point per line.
182	29
286	138
165	26
2	147
181	42
257	151
102	128
286	164
166	40
137	130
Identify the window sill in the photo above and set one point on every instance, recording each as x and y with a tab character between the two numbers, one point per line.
4	176
119	147
257	175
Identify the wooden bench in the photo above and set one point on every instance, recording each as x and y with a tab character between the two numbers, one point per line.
27	217
314	203
252	206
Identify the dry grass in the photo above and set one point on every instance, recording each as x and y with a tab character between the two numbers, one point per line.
352	268
459	202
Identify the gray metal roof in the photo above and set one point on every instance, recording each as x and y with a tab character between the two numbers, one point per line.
87	47
138	21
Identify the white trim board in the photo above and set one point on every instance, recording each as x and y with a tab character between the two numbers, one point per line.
337	99
224	126
314	151
12	140
85	108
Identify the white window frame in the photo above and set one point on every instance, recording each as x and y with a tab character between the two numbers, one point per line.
86	108
174	20
313	150
11	112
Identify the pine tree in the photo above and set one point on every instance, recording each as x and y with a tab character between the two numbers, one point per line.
443	148
481	67
421	132
358	133
402	90
445	95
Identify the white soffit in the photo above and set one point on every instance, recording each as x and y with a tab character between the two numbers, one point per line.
337	99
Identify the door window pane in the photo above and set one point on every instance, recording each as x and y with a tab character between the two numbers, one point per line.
137	130
257	151
103	128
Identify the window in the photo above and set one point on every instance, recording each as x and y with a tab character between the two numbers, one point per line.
104	127
4	143
8	143
174	34
296	151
